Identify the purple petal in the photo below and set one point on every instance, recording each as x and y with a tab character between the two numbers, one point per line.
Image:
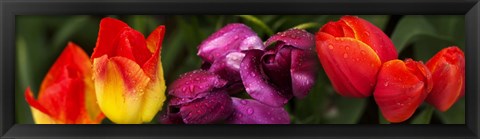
214	108
195	84
294	37
231	38
249	111
228	66
303	71
257	83
276	66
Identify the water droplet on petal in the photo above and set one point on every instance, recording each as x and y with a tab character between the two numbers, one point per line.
250	111
345	55
244	102
385	84
330	47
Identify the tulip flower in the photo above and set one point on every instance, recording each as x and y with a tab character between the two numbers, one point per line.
351	52
448	75
67	95
128	73
235	59
285	70
401	87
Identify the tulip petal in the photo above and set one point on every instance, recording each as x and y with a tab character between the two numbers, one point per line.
372	36
215	107
195	84
256	83
231	38
294	37
303	72
228	66
40	113
276	65
448	76
400	90
154	95
115	38
351	65
248	111
76	59
120	84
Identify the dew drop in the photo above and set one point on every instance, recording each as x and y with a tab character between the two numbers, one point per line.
244	102
345	55
330	47
250	111
386	83
347	48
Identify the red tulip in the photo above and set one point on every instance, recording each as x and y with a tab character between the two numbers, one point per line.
448	74
67	95
351	52
401	87
128	72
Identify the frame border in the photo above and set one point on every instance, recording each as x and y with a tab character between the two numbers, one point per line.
9	9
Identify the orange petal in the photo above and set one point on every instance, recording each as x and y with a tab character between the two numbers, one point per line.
401	89
120	84
372	36
351	65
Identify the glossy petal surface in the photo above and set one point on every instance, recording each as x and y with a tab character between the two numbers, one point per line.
195	84
448	75
401	88
350	64
215	107
248	111
257	83
231	38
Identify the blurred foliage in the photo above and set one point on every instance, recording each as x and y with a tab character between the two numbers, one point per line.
40	39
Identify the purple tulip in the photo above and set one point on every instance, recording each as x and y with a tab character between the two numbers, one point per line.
235	59
285	70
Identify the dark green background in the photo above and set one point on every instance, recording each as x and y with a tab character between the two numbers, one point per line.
40	39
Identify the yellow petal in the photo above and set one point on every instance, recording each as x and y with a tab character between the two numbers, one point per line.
154	96
120	84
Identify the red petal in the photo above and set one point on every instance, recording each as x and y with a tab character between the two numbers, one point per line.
448	75
76	59
351	65
400	89
116	38
154	44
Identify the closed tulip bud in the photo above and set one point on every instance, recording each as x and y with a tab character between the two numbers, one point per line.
448	74
401	87
351	52
67	95
128	73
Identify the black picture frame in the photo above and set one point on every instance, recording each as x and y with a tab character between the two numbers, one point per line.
10	9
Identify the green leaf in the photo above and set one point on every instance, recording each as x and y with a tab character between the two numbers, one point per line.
258	22
425	116
408	28
454	115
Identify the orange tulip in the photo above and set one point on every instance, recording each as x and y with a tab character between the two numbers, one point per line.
448	73
401	87
67	95
351	52
128	74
